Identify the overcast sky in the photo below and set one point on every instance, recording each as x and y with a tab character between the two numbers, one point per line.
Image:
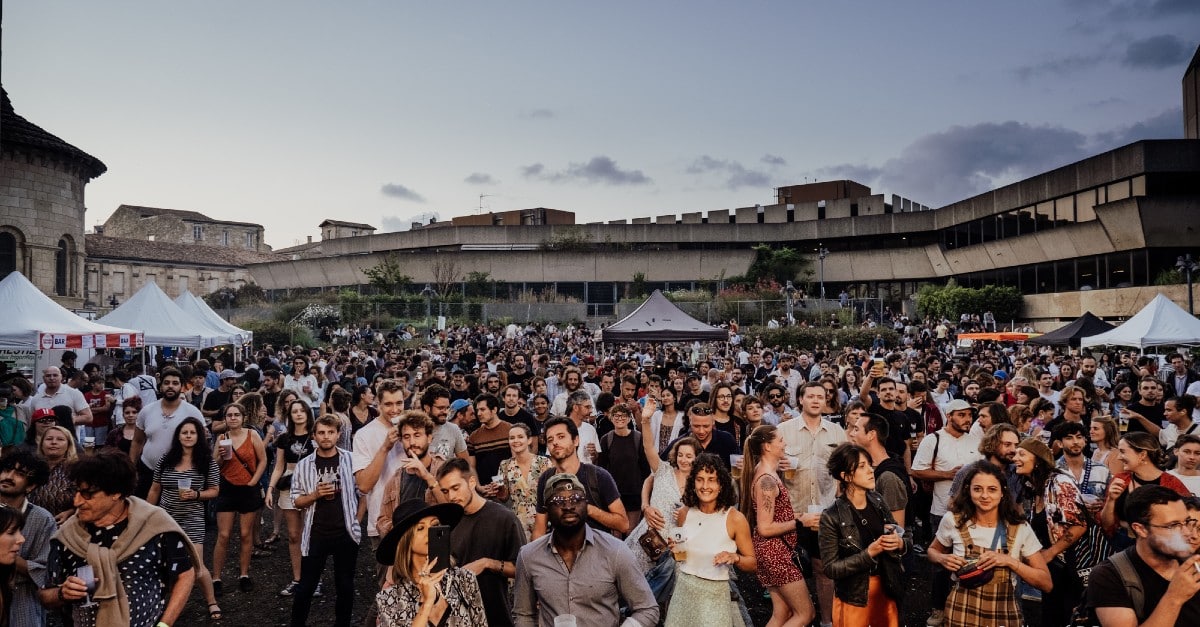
286	113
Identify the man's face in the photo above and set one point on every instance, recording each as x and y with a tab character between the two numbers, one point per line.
1087	367
559	443
573	381
606	383
458	380
1006	449
326	437
391	403
415	441
519	363
628	390
171	386
1045	380
1075	404
887	393
854	431
14	482
1150	391
737	376
776	398
814	400
961	419
198	382
540	406
512	398
52	377
702	427
486	414
1167	543
1179	366
901	393
943	385
972	390
1073	444
567	509
92	504
458	488
590	369
493	385
785	364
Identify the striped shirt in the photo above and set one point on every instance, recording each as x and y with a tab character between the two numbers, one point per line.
304	481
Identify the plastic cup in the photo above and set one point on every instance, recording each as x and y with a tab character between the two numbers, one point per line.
184	483
497	479
226	448
89	442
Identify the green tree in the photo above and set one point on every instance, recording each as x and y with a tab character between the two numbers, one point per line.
387	275
636	287
952	300
775	264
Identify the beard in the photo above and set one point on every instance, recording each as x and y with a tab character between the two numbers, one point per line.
417	452
1173	546
170	394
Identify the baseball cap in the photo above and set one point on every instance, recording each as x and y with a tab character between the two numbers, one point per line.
1000	374
561	481
44	412
228	374
957	404
458	406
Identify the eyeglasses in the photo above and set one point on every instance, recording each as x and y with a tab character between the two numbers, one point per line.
726	397
88	493
564	501
774	397
1189	524
702	411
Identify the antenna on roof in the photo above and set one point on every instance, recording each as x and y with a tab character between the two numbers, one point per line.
481	197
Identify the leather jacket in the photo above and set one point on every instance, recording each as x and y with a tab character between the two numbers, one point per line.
844	557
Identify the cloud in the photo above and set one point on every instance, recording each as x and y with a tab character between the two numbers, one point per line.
600	169
391	224
1062	66
1152	9
1166	125
736	175
773	160
539	114
480	178
1156	53
395	190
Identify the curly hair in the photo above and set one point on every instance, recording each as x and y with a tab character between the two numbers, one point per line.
708	462
201	454
964	508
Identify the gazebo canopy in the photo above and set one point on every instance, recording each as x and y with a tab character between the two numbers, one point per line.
33	321
659	320
1086	325
1160	323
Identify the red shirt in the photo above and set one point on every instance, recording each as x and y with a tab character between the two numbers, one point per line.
101	412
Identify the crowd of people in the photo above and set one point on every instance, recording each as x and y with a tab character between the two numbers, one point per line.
509	476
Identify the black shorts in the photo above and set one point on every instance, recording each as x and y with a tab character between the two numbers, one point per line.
243	499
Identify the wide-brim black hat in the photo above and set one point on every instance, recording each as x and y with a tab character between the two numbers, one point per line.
405	516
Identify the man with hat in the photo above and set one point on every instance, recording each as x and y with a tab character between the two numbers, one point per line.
462	414
219	398
460	388
424	590
577	570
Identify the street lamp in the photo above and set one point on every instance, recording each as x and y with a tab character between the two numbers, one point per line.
822	252
227	298
1188	265
429	293
113	302
789	291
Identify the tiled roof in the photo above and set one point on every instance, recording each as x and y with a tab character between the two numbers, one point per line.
353	225
190	216
19	131
312	247
129	249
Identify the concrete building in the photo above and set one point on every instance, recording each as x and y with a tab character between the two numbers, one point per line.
42	181
174	226
1191	98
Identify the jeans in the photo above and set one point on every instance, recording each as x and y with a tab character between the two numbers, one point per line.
941	577
345	554
661	578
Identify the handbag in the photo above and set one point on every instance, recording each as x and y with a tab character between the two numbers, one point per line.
970	576
653	544
800	558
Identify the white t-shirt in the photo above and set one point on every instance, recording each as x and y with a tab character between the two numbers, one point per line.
1170	433
952	453
160	429
1192	482
1024	544
366	444
588	434
66	395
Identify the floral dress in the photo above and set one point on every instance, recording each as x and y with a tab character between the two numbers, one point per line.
58	495
399	604
522	489
664	497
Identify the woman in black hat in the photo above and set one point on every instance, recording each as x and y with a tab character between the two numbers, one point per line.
420	590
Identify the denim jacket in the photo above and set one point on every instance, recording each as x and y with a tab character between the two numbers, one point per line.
844	557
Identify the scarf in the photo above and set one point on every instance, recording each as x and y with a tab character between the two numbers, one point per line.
145	523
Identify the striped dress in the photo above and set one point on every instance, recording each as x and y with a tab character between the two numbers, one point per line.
189	514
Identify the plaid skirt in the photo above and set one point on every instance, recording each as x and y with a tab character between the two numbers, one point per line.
994	604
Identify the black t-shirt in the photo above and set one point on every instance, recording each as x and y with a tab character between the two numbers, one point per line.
1106	589
1153	413
523	416
622	457
868	521
328	522
915	423
216	400
599	486
521	379
898	429
493	532
269	399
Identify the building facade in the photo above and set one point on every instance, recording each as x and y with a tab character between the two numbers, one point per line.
174	226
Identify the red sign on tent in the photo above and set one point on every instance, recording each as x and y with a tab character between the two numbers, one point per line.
90	340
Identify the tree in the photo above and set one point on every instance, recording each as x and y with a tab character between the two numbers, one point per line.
952	300
387	277
780	265
637	287
479	285
445	274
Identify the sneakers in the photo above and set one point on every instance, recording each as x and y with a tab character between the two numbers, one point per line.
245	584
935	618
317	593
290	589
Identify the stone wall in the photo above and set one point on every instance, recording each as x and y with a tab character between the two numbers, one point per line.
106	278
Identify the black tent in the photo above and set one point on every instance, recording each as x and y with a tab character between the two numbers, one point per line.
659	320
1086	325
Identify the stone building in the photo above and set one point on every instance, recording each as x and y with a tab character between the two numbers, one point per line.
42	180
182	227
332	229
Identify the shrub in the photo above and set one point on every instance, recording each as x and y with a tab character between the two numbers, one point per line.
279	334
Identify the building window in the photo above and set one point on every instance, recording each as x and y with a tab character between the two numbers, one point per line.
61	262
224	238
197	232
8	254
250	241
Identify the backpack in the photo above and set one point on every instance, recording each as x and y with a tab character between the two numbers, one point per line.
1085	615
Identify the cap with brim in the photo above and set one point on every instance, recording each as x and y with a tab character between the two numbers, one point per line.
458	406
228	374
561	481
957	404
44	412
1000	374
408	514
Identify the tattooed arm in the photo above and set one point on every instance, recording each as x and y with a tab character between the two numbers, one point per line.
765	491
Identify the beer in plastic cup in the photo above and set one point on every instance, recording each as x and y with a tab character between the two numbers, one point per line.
226	448
184	483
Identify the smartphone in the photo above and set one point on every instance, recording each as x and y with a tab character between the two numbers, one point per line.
439	547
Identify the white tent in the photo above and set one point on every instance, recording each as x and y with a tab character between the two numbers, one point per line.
163	322
1159	323
32	321
192	304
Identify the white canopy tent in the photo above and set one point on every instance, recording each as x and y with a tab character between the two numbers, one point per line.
163	322
192	304
1160	323
32	321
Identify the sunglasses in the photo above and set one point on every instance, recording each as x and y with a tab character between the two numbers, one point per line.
774	397
88	493
563	501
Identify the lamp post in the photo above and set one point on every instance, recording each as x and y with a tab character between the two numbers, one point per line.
1188	265
789	291
227	299
429	293
822	252
113	302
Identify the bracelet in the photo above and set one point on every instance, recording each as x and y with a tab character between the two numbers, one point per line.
60	595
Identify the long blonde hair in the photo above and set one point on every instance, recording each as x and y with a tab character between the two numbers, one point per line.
72	453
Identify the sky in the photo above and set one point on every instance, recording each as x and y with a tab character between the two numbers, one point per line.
285	113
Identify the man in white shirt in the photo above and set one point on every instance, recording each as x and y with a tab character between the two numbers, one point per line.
377	456
1178	412
789	378
155	431
1187	462
54	393
579	409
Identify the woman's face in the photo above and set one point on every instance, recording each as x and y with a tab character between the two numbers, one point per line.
420	541
518	442
541	406
44	424
851	378
1131	457
667	397
1096	432
1022	398
54	444
863	476
130	415
1125	394
10	545
754	412
234	417
830	392
368	396
985	492
188	436
707	485
298	413
684	456
237	394
1025	462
